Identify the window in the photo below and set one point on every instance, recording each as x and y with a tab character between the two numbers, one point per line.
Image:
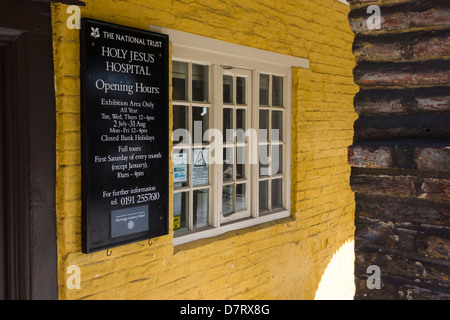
231	135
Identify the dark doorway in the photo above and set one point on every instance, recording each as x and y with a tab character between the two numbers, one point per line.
3	279
28	257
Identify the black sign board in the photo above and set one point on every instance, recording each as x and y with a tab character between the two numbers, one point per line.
125	139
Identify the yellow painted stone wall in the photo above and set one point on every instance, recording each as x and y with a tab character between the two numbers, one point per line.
278	260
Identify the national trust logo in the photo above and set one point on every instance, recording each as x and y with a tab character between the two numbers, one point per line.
95	32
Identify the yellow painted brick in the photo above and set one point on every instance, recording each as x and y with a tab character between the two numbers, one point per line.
68	103
68	85
69	141
68	157
71	208
69	122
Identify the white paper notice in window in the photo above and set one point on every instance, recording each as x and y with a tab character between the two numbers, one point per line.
200	168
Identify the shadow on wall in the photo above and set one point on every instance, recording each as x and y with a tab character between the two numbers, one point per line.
338	282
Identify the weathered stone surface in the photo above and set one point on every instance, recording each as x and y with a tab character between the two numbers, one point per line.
366	157
383	185
417	126
412	292
401	186
439	103
409	47
433	159
407	75
394	263
401	151
436	189
385	155
408	257
398	288
395	102
404	17
425	241
412	212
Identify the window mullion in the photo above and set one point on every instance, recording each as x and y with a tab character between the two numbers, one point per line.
270	91
190	150
191	210
216	112
286	140
189	94
254	148
269	134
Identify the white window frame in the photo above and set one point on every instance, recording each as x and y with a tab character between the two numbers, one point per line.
248	74
202	50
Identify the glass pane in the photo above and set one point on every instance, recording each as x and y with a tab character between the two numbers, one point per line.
180	80
201	208
227	200
180	168
240	125
227	164
180	124
227	89
240	163
240	197
277	188
277	159
264	160
180	211
200	123
264	90
200	167
240	90
228	125
263	125
277	91
263	195
200	83
277	126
